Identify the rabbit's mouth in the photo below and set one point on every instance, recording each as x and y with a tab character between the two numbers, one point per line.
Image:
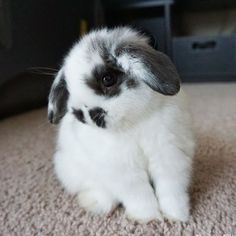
96	115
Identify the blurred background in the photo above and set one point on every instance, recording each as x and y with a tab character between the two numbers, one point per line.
198	35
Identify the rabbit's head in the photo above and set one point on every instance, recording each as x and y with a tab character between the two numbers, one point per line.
110	78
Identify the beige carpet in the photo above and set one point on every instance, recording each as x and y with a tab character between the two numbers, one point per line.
32	201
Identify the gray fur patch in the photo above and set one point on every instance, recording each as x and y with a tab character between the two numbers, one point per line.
131	83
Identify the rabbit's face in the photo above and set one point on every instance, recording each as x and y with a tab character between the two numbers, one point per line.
110	78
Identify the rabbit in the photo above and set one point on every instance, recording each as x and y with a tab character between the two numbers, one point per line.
125	134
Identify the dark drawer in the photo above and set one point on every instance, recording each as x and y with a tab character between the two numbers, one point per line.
205	58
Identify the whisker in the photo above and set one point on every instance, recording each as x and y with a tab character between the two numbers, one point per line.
43	71
97	115
43	124
42	68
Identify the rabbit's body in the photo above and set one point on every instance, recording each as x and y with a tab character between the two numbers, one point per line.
112	146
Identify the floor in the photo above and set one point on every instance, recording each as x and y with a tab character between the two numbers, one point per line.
32	202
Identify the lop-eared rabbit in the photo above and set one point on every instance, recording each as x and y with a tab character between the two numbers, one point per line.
124	132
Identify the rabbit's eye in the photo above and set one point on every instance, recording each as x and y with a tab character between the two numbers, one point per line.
109	80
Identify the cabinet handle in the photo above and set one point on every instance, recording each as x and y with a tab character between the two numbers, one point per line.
204	45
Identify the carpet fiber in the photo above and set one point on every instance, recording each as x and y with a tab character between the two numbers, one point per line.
32	202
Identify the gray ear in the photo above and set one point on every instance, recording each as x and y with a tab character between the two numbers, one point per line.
162	75
57	102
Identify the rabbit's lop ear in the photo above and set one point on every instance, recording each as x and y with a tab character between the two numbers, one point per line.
160	73
164	76
57	104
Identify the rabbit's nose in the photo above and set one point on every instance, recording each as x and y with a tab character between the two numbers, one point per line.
97	115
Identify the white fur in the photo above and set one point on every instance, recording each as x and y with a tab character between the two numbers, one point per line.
148	136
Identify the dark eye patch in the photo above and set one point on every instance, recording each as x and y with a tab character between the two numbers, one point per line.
95	83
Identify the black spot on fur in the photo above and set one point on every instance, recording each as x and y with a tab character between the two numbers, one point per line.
95	83
131	83
79	115
97	114
50	117
58	96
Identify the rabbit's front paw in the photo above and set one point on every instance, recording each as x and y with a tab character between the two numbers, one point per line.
175	207
96	201
143	212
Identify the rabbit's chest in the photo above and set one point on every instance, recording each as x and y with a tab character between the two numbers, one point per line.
104	153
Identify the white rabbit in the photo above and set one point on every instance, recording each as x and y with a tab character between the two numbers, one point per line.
125	134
